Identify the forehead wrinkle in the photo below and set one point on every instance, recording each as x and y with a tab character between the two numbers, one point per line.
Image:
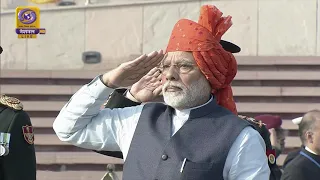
176	60
164	59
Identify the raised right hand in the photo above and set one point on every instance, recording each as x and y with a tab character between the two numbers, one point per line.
148	88
131	72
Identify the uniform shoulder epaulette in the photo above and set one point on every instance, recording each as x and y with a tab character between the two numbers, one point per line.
12	102
259	123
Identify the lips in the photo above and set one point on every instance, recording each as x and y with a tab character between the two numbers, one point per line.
173	89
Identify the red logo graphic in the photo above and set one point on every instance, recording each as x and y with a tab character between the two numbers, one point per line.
28	134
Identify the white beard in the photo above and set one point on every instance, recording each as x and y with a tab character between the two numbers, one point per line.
189	96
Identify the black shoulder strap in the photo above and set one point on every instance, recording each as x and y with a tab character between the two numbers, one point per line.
2	108
6	113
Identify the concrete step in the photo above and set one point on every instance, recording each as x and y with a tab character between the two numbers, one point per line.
262	108
48	140
42	122
288	124
46	74
73	175
53	140
243	107
69	158
39	89
265	91
278	75
283	60
46	122
241	75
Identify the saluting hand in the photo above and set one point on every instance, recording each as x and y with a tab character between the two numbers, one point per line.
130	72
149	87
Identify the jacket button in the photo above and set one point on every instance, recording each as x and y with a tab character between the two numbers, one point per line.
164	157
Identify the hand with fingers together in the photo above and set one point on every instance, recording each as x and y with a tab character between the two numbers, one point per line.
148	88
130	72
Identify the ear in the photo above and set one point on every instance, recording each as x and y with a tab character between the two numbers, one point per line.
309	136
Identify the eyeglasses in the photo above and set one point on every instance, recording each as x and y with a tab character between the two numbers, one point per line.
182	68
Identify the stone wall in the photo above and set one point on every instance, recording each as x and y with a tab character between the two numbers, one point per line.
120	29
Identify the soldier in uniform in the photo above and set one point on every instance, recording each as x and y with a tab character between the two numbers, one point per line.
17	152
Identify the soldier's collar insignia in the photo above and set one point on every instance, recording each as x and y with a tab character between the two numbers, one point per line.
28	134
11	102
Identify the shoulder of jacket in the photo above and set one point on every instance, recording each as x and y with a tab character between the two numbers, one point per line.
11	102
252	120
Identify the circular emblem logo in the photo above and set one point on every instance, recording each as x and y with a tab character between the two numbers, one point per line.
27	16
272	159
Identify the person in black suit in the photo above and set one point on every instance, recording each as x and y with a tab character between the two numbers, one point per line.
306	165
291	155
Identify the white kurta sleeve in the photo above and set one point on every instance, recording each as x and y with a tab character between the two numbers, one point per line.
247	158
82	121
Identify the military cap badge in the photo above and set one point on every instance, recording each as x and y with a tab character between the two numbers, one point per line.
271	156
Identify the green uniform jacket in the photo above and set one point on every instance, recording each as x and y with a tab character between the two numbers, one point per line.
20	163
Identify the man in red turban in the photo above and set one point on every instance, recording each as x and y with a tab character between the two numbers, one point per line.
195	135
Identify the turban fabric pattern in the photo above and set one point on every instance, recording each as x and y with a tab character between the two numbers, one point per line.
202	39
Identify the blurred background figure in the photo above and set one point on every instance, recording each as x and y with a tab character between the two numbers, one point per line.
277	133
110	174
306	165
291	155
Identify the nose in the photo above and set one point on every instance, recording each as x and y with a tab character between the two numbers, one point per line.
172	74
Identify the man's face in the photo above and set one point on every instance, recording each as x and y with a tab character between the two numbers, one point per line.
184	86
281	135
277	137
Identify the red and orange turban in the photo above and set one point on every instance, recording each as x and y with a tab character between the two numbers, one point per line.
202	39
